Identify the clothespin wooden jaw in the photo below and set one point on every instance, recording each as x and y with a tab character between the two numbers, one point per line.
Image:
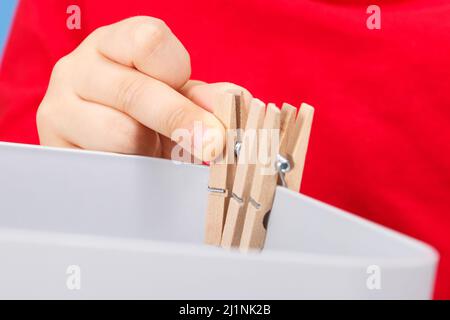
266	176
243	178
230	109
299	146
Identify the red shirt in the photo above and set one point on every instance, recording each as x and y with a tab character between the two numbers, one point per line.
380	141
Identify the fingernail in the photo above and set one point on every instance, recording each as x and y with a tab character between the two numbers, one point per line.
212	144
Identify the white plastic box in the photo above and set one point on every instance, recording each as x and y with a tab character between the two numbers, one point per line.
134	227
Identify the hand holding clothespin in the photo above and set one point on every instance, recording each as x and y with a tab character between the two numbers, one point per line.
241	195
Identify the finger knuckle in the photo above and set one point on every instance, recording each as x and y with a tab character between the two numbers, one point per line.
97	32
129	93
149	34
41	116
61	68
184	69
174	120
44	115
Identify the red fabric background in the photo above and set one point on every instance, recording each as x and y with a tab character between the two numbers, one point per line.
380	142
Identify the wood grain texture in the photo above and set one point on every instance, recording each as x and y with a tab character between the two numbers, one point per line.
263	186
244	175
221	171
299	146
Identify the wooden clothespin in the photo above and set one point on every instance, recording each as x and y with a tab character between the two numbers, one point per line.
294	139
247	159
265	177
232	112
299	147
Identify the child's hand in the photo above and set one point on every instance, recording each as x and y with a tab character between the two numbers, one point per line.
125	89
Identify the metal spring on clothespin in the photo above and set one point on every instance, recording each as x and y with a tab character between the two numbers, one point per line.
237	148
282	165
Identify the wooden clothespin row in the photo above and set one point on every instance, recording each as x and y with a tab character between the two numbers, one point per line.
241	195
231	110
